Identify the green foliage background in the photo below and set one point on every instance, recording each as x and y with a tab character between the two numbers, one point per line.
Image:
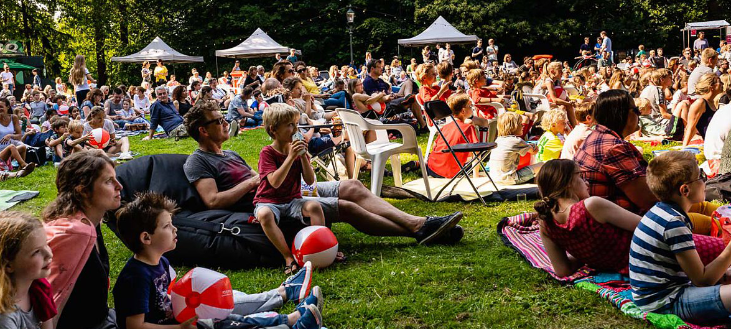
100	29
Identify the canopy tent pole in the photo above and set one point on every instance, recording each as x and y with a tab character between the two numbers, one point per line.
216	65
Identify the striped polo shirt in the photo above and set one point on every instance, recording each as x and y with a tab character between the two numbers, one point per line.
655	275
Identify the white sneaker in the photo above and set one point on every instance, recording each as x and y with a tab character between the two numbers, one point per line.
125	156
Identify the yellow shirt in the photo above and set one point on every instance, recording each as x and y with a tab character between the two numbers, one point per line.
311	86
550	146
161	73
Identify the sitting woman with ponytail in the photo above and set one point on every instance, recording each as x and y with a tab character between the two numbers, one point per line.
593	231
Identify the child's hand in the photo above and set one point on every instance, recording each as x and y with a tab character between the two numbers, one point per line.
189	324
65	135
297	147
87	137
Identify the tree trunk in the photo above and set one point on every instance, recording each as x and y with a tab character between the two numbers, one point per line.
26	28
123	25
101	64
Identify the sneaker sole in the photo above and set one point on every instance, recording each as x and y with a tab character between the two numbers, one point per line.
317	291
306	283
316	312
447	226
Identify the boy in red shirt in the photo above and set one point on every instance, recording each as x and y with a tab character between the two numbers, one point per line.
441	164
477	80
282	165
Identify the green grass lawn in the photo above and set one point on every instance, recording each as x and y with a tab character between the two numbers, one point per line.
395	283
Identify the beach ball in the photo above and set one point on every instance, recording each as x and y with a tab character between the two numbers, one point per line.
316	244
100	138
204	293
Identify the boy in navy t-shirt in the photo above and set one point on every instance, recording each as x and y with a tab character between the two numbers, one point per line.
140	293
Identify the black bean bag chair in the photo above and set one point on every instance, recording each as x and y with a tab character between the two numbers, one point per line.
208	238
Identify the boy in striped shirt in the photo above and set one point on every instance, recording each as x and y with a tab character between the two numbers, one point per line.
666	273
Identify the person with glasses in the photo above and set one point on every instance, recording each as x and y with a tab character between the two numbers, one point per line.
668	272
163	113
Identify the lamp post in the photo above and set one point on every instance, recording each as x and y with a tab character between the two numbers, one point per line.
350	16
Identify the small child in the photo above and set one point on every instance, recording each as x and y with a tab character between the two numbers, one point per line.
666	272
140	293
282	165
577	136
46	125
25	263
505	158
5	92
59	126
75	113
76	141
128	115
551	142
259	103
477	81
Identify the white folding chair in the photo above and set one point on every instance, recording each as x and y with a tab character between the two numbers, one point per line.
381	150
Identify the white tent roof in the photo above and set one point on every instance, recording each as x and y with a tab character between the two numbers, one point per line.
705	25
439	31
158	49
259	44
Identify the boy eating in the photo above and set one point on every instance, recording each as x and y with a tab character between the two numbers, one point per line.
282	166
140	293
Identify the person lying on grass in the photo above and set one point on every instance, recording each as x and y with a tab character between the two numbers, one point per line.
282	166
225	181
666	271
141	291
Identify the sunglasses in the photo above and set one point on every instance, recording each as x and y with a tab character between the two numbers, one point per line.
218	121
290	71
301	70
702	177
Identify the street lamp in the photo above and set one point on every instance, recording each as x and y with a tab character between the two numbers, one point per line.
350	16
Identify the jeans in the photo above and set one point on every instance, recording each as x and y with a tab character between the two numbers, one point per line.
699	305
337	99
255	309
254	121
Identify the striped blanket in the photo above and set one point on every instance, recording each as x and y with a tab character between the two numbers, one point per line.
521	233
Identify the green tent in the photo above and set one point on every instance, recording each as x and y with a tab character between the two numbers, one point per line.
14	65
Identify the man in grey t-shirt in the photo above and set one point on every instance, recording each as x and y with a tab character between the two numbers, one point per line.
709	58
114	104
224	181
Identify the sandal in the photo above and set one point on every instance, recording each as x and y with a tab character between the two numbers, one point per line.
4	175
340	257
29	167
292	268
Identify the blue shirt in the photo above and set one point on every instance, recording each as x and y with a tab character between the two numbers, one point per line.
236	103
655	274
292	59
37	109
165	115
371	85
142	289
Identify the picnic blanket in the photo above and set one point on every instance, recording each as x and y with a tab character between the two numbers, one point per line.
521	233
462	190
9	198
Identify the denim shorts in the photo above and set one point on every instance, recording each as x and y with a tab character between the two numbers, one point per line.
284	212
328	198
700	305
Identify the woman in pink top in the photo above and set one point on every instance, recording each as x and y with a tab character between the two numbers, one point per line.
87	188
593	231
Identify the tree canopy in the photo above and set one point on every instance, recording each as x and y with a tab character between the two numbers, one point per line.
100	29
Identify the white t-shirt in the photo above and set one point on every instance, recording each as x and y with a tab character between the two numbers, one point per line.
193	78
108	126
717	132
7	77
141	104
491	52
678	97
85	84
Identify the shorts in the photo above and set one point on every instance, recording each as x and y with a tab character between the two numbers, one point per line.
328	198
699	305
675	128
285	212
524	175
179	131
317	145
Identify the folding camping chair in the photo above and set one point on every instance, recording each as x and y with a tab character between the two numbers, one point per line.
431	125
437	110
327	158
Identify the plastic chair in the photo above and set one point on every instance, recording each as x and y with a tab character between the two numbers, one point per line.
437	110
429	124
381	150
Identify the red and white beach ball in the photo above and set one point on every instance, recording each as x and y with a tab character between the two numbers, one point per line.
99	138
204	293
316	244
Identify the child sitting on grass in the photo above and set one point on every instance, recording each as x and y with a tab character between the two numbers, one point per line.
140	293
76	140
585	116
24	266
504	159
60	133
666	272
551	142
46	125
441	164
282	165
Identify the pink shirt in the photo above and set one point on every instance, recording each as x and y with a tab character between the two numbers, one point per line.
574	139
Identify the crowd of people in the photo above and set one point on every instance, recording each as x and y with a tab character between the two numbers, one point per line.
601	205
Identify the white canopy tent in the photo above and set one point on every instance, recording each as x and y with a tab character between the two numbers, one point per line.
709	25
439	31
158	49
259	44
